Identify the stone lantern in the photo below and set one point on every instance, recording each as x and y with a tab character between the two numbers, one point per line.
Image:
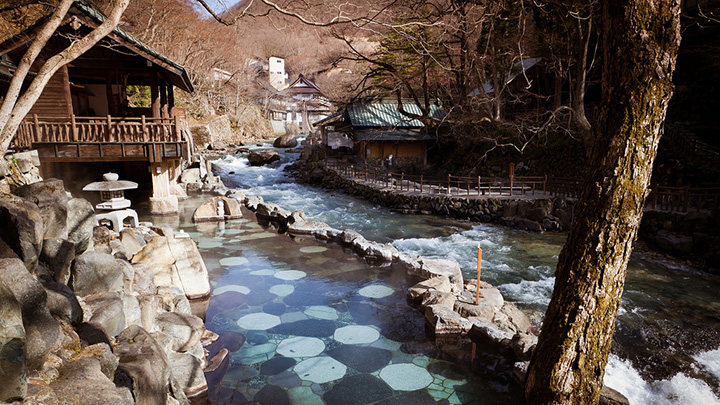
112	193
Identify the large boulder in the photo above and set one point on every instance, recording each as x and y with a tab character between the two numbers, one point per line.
185	330
88	379
22	228
444	321
107	312
96	272
52	201
57	255
80	222
190	268
13	370
273	212
188	371
218	209
286	141
145	364
262	157
430	268
158	257
42	331
306	227
416	292
61	301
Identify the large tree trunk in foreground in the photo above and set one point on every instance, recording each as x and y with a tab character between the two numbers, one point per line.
640	43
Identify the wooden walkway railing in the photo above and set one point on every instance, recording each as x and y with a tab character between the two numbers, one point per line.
683	199
98	130
683	141
450	185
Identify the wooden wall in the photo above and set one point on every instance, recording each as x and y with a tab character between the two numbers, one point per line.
402	149
55	100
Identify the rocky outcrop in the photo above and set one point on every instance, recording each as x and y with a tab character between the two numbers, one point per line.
96	272
217	209
285	141
80	222
262	157
13	368
22	228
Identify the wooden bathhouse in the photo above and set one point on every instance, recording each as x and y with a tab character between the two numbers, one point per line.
377	129
86	123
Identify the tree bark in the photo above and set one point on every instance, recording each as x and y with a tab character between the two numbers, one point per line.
640	43
19	106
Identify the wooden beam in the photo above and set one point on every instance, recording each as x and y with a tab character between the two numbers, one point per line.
164	110
66	87
154	94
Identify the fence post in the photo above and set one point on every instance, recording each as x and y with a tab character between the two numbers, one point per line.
511	170
479	187
655	197
448	186
402	179
36	124
686	199
421	184
545	186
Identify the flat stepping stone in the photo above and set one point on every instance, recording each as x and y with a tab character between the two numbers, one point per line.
301	347
259	321
321	312
255	354
274	308
234	261
210	244
356	335
309	327
289	275
406	377
357	390
267	272
320	370
376	291
276	365
271	394
257	235
421	397
282	290
305	396
361	358
313	249
237	288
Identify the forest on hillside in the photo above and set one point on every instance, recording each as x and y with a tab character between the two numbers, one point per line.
517	80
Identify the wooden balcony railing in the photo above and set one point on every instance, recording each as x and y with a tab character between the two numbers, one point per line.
74	130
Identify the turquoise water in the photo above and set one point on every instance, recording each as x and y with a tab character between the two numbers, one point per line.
666	342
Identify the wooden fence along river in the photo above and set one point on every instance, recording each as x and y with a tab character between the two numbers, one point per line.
661	198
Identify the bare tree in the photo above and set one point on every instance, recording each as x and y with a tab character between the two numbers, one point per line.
18	103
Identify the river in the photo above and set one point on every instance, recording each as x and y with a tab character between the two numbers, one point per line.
316	299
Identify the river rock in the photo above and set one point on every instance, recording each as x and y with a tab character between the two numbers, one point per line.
296	216
348	236
131	309
95	272
13	370
609	396
444	321
61	301
416	292
306	227
489	336
188	371
528	225
87	379
430	268
218	208
101	236
42	331
481	310
674	242
22	228
253	201
185	330
285	141
107	312
144	362
52	201
434	297
522	345
80	222
57	255
158	257
272	212
191	175
517	318
262	157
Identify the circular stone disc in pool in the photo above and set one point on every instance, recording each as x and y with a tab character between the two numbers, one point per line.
282	290
237	288
259	321
376	291
266	272
356	334
320	370
233	261
321	312
406	377
290	275
313	249
209	244
301	347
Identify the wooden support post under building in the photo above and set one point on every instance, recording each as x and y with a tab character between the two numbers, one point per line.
154	94
164	110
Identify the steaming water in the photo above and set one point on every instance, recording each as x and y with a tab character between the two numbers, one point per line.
667	340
